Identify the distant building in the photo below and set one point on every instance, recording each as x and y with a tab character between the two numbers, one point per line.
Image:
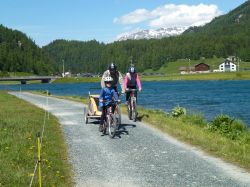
186	70
202	68
228	64
66	74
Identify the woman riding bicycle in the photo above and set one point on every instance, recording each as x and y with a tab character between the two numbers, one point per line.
131	81
106	97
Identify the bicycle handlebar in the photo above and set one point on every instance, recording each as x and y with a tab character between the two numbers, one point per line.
114	101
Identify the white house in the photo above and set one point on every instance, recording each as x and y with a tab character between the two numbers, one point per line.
66	74
227	66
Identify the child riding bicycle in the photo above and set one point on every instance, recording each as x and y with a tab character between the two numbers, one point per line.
107	95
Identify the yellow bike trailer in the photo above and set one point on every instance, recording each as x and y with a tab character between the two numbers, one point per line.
92	111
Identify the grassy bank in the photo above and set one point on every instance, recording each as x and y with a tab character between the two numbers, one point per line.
170	77
194	129
229	142
19	123
173	67
202	76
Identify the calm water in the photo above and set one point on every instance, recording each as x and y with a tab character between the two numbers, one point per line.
209	97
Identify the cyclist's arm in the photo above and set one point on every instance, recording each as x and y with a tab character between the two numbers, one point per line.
101	96
138	81
125	82
115	95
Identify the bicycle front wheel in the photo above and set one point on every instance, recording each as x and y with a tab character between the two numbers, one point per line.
112	126
118	115
134	112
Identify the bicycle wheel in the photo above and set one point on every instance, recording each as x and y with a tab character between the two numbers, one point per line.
112	126
104	128
86	117
134	112
129	111
118	115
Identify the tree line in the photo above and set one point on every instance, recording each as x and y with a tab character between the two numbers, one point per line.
18	53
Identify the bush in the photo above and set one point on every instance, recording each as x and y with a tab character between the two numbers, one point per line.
227	126
196	119
178	111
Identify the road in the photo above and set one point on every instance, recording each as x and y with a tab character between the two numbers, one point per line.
139	156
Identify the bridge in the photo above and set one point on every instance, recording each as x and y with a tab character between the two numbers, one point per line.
24	79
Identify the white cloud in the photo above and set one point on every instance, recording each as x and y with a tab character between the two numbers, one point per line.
171	15
136	16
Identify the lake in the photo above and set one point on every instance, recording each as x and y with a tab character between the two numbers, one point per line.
208	97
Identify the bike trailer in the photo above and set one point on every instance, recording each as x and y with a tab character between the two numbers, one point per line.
92	109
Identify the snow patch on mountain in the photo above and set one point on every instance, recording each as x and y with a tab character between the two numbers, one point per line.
151	33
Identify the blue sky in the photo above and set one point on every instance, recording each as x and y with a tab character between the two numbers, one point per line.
104	20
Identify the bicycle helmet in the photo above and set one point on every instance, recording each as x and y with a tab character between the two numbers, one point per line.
131	70
112	67
108	79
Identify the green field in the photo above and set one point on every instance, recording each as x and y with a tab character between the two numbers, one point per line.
172	68
202	76
19	124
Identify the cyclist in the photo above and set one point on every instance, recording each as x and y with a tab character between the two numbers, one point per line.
106	97
116	76
131	81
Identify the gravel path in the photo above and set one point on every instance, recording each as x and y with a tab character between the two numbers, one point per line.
140	156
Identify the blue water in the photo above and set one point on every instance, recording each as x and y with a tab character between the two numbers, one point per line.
209	97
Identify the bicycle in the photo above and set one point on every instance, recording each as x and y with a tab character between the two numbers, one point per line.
117	112
131	107
110	121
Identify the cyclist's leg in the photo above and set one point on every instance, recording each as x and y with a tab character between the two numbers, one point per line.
103	115
127	96
135	95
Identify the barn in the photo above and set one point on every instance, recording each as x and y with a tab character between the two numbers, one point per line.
202	68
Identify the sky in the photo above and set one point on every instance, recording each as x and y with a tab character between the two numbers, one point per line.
105	20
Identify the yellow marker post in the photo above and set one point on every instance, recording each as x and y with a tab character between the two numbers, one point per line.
39	159
47	102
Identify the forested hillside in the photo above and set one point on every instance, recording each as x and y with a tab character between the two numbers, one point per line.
18	53
223	36
78	56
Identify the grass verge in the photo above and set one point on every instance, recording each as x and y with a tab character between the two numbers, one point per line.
19	123
202	76
169	77
193	129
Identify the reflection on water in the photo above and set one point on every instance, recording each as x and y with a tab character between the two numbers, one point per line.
209	97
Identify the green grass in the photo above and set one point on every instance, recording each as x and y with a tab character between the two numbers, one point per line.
193	129
173	67
203	76
19	123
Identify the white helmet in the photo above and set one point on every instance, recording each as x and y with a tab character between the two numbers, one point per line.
108	79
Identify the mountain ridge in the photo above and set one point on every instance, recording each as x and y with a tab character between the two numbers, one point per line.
152	33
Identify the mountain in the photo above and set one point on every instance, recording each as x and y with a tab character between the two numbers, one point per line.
18	53
224	36
151	33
